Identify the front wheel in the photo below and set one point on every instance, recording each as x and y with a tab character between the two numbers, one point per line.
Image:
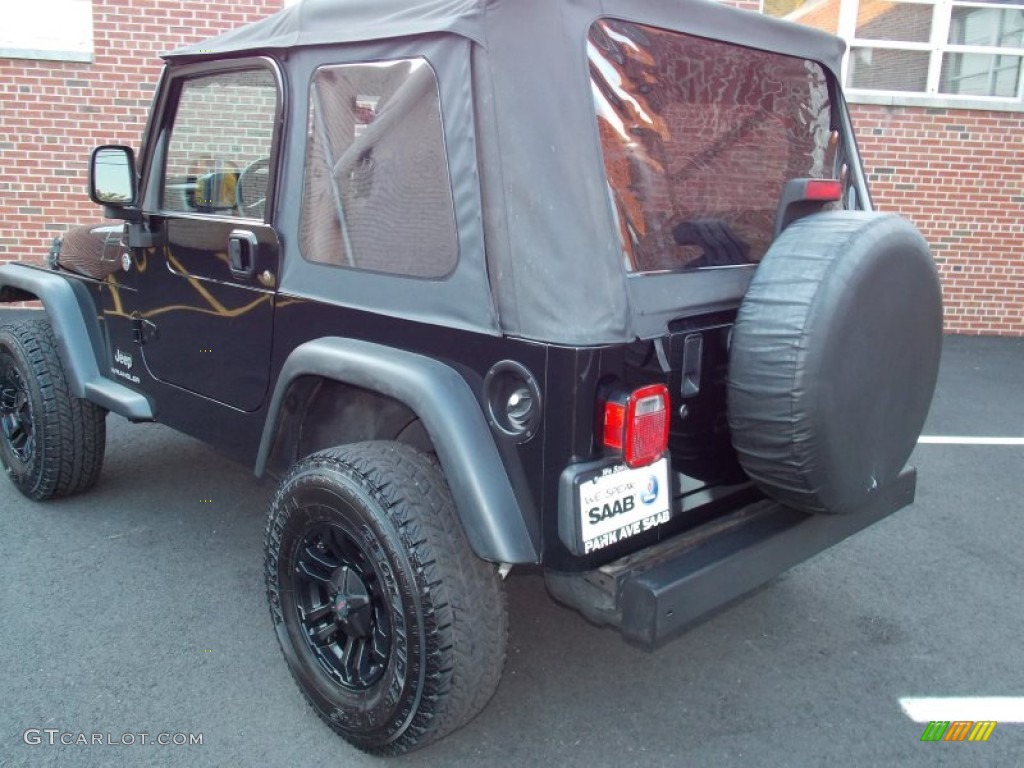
392	627
51	442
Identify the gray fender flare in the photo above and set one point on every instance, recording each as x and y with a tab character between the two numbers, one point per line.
490	513
78	338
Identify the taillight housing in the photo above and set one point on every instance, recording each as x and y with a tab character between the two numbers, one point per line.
636	424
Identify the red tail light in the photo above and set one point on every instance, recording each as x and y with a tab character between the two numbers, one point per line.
636	424
823	190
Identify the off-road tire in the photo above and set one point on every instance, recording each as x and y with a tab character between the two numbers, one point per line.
52	443
444	606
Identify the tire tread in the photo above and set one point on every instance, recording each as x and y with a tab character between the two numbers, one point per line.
70	432
463	602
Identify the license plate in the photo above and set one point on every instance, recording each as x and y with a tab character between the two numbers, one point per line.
619	502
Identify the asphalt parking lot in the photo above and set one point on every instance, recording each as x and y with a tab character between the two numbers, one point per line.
139	607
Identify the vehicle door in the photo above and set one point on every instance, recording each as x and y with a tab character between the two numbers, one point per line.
205	263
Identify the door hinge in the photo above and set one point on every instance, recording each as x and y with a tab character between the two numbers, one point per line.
143	330
140	234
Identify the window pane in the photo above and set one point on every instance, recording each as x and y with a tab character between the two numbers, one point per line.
698	138
980	74
902	22
219	152
996	27
376	194
883	69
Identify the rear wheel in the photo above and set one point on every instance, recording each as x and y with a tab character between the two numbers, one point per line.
392	627
51	442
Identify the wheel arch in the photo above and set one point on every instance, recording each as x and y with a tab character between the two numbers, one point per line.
415	398
317	413
10	294
79	340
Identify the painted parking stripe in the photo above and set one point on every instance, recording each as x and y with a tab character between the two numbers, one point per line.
1002	709
942	440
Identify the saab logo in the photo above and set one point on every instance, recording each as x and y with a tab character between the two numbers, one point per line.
958	730
650	495
619	507
122	358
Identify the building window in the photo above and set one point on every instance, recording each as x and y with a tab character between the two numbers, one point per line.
939	48
47	29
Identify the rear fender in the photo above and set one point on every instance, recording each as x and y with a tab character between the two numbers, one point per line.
491	513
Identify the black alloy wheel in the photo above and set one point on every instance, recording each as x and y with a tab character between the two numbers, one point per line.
394	630
342	607
15	410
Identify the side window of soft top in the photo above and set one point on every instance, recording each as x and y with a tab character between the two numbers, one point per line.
218	156
377	194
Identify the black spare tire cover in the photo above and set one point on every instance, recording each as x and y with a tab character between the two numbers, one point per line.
834	358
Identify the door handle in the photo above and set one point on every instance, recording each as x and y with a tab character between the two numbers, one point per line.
242	248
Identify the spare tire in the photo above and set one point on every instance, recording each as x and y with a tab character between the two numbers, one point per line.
834	358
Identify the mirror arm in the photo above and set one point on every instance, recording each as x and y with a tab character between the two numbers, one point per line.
125	213
141	235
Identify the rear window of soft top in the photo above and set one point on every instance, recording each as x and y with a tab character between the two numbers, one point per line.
698	138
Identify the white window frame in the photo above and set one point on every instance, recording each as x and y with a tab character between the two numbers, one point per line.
936	47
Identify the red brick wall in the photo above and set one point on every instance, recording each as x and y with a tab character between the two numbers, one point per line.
959	176
53	113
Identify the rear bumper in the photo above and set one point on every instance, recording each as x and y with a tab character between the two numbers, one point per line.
657	592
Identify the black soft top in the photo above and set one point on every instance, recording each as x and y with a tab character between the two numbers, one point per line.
554	259
322	22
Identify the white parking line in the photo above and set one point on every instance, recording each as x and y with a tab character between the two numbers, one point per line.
940	440
1002	709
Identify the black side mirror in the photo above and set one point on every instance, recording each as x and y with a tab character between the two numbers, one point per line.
112	178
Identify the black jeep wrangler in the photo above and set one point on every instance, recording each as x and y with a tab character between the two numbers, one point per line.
593	286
